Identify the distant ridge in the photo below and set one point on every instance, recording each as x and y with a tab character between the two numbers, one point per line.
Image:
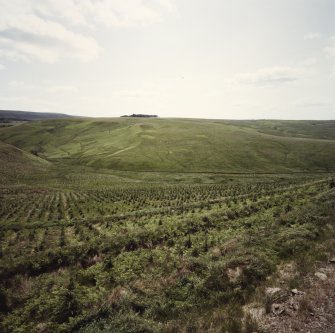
13	115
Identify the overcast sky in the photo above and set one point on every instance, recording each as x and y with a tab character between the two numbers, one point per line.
175	58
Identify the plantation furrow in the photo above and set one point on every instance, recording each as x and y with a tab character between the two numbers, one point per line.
15	212
137	240
11	212
39	208
48	206
76	210
65	208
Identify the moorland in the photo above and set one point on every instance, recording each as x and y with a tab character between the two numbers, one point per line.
158	225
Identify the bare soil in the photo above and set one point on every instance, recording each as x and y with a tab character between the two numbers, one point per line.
309	310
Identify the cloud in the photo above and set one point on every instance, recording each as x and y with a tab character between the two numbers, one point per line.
136	93
2	67
268	76
16	84
28	103
308	62
110	13
51	30
312	35
312	104
26	36
63	89
169	5
45	87
330	49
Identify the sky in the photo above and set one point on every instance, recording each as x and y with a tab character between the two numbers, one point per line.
222	59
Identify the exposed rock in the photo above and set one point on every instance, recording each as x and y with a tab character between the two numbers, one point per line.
321	276
42	328
294	291
287	271
255	311
272	291
278	309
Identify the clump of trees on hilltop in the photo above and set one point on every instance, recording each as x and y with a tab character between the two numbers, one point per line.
140	116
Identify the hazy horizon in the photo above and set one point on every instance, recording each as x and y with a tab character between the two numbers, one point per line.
234	59
176	117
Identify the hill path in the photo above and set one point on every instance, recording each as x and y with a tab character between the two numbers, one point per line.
122	150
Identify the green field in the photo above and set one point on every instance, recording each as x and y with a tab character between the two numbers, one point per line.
182	145
158	225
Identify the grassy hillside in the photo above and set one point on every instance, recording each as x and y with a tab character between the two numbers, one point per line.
303	129
17	165
182	145
88	243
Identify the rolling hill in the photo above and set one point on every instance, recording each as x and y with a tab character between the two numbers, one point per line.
10	115
180	145
183	145
17	165
88	243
